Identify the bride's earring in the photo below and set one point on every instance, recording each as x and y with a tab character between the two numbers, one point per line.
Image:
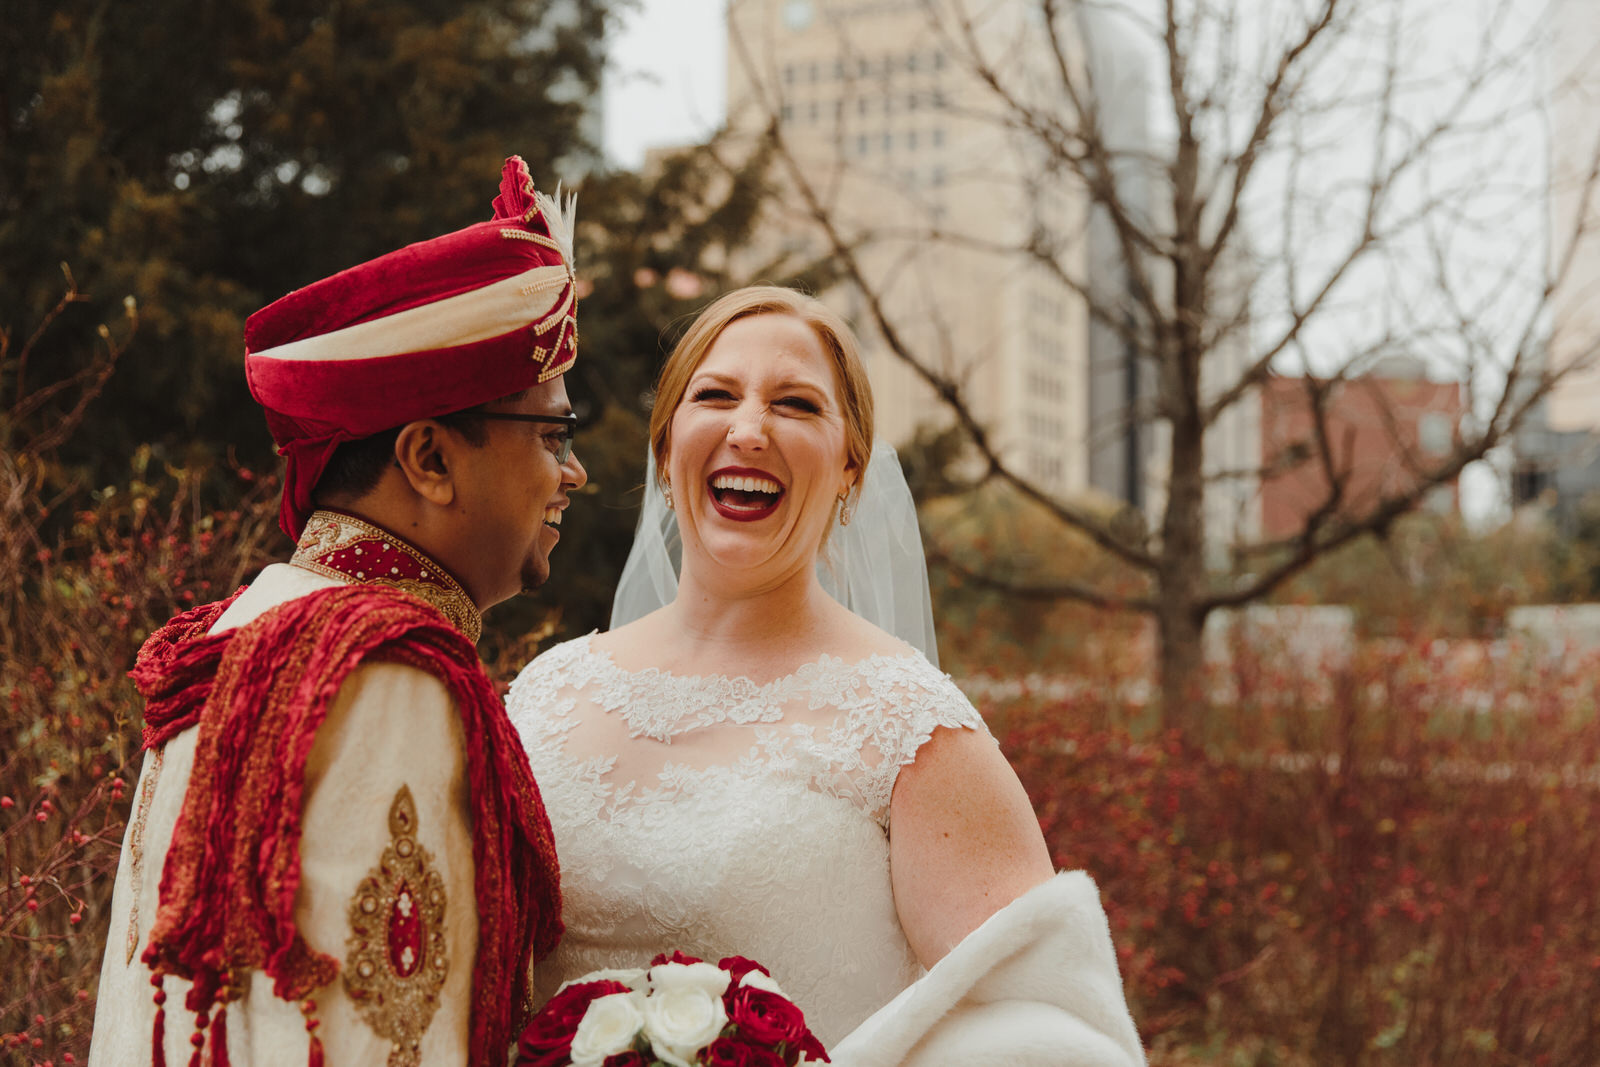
844	508
666	493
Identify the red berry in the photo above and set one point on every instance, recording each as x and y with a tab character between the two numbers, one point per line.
33	905
76	917
7	802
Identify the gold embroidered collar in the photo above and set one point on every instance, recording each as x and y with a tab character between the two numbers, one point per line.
342	546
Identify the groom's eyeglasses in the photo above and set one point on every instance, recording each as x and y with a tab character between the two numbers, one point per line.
569	423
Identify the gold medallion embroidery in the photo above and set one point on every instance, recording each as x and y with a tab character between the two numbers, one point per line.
396	963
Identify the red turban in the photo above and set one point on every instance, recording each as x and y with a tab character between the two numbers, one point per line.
435	327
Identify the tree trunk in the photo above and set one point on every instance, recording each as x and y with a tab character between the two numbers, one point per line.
1180	585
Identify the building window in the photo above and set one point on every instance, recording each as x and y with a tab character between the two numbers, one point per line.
938	137
861	145
786	112
788	74
861	106
911	140
888	140
1434	433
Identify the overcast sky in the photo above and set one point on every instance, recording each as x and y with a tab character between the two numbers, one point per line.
666	83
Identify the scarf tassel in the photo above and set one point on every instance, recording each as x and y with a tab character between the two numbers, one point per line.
158	1033
308	1008
202	1022
219	1037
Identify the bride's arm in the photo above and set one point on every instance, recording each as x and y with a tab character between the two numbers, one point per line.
963	840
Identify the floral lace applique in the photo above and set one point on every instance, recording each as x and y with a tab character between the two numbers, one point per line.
886	708
723	817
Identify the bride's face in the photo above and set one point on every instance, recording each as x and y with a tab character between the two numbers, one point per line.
757	458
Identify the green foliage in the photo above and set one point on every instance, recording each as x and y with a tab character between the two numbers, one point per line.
993	532
1432	572
207	159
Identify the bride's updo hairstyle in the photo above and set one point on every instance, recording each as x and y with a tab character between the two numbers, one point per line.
850	377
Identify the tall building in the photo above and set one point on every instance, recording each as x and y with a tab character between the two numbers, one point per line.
890	128
898	137
1557	450
1127	448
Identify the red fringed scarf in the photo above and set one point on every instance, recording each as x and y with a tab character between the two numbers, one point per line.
259	693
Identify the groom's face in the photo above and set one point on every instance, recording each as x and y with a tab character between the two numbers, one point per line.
513	489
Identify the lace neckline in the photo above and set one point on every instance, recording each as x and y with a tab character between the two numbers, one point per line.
339	545
824	665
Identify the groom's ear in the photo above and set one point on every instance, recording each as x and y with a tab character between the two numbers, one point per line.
423	451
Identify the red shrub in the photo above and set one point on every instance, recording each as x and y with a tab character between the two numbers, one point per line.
1396	864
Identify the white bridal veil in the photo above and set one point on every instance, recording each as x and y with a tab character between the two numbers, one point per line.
874	566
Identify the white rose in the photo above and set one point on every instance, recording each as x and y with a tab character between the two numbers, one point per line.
609	1025
766	982
683	1019
632	977
665	977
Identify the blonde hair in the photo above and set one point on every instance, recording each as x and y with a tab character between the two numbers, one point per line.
855	393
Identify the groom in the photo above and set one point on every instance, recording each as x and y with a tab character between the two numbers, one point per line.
337	853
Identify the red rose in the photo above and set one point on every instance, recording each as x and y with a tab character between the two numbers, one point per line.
630	1058
813	1048
765	1018
547	1042
760	1056
739	966
726	1052
676	957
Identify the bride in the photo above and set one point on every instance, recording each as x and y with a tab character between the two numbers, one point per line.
752	768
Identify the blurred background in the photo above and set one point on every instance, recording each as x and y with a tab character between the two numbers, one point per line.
1240	354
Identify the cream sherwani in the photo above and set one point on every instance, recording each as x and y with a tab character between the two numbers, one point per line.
391	727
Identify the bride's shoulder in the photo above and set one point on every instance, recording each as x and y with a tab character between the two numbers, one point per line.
907	685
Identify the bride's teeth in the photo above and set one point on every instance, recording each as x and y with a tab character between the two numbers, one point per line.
552	516
743	484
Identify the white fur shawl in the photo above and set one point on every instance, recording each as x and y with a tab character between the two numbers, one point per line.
1035	986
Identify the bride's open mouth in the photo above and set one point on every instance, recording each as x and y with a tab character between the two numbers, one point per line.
744	495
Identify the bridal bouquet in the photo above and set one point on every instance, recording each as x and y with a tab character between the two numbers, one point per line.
680	1012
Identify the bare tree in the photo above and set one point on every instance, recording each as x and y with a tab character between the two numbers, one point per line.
1305	186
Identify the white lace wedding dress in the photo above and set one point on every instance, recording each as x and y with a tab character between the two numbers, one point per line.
721	817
